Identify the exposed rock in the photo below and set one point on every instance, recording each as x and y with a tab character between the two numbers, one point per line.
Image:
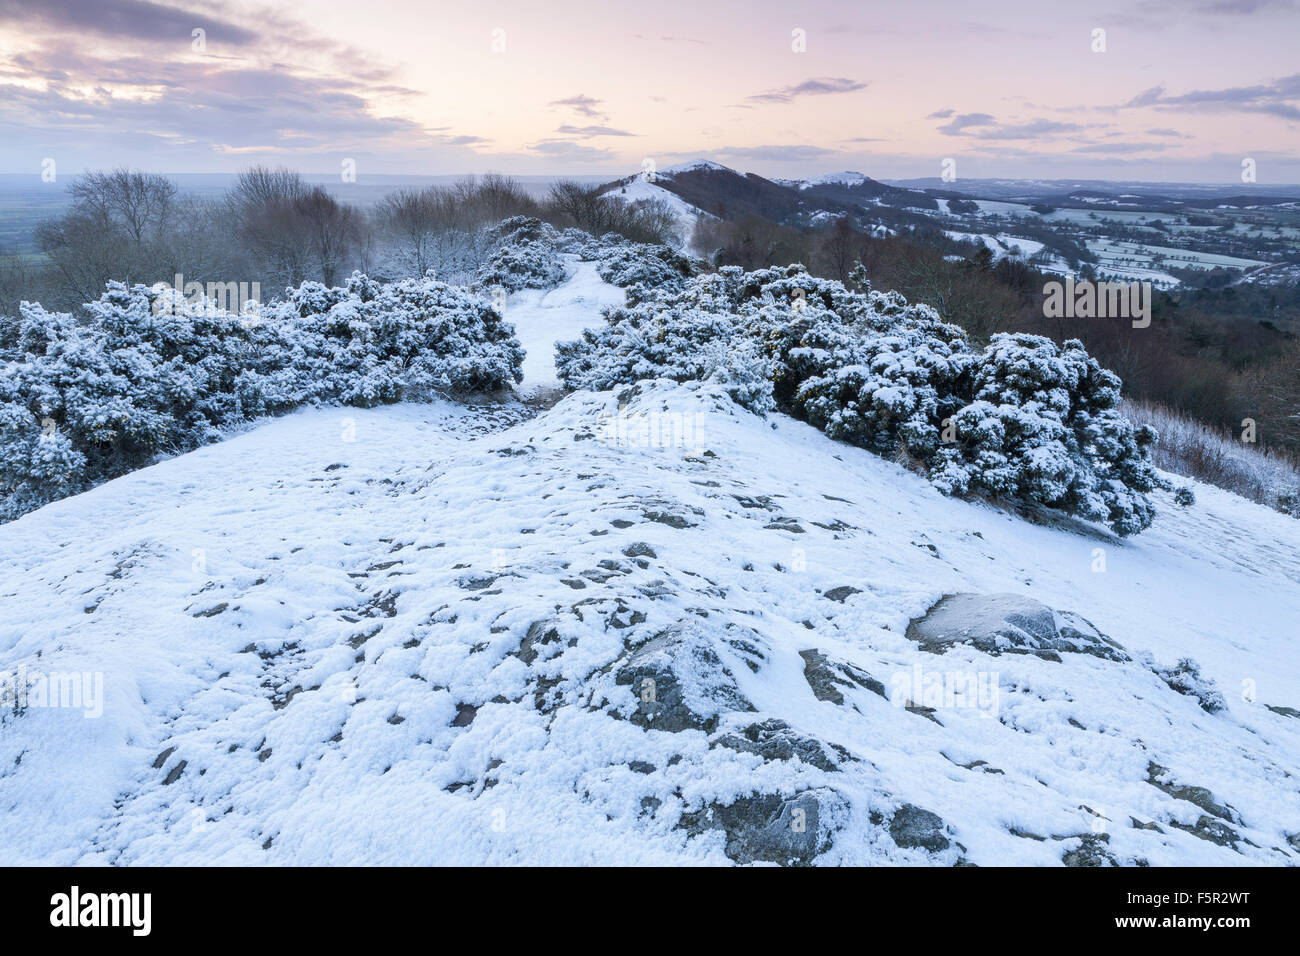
785	524
1158	776
665	517
771	828
679	682
1210	829
1009	624
775	740
1091	851
540	633
921	711
824	674
913	827
1149	825
842	592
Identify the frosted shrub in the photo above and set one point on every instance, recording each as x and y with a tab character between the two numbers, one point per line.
1186	678
151	373
875	388
527	256
1042	425
1021	419
643	270
81	403
367	343
686	344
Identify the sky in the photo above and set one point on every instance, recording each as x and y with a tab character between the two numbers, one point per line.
1150	90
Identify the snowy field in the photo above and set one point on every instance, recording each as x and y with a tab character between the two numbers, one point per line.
412	635
1001	245
420	634
1108	250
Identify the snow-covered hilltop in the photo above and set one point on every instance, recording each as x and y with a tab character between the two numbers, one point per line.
643	626
847	178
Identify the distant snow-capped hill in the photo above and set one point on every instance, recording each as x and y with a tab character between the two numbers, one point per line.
847	178
854	188
695	165
729	194
725	193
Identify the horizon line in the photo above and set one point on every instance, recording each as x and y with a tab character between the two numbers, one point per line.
334	174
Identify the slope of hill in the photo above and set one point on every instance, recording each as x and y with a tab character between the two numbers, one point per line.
635	189
644	626
857	190
728	194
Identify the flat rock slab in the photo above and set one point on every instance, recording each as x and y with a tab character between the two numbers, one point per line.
1009	624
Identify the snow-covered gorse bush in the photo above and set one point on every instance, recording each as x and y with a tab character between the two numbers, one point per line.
1021	418
643	270
367	343
1042	424
82	403
527	256
150	373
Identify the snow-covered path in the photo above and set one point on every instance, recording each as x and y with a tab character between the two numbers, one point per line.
543	317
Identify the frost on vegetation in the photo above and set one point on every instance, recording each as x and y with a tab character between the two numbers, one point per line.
1186	678
1020	419
151	373
526	256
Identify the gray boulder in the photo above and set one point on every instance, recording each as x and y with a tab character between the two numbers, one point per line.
1009	624
679	682
768	827
914	827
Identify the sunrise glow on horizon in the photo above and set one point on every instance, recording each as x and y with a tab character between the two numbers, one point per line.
1177	92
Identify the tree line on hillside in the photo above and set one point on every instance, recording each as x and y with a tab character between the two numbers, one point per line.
274	228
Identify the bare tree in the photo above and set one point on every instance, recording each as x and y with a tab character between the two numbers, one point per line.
138	202
497	197
266	224
839	249
119	226
259	187
574	204
411	219
332	229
